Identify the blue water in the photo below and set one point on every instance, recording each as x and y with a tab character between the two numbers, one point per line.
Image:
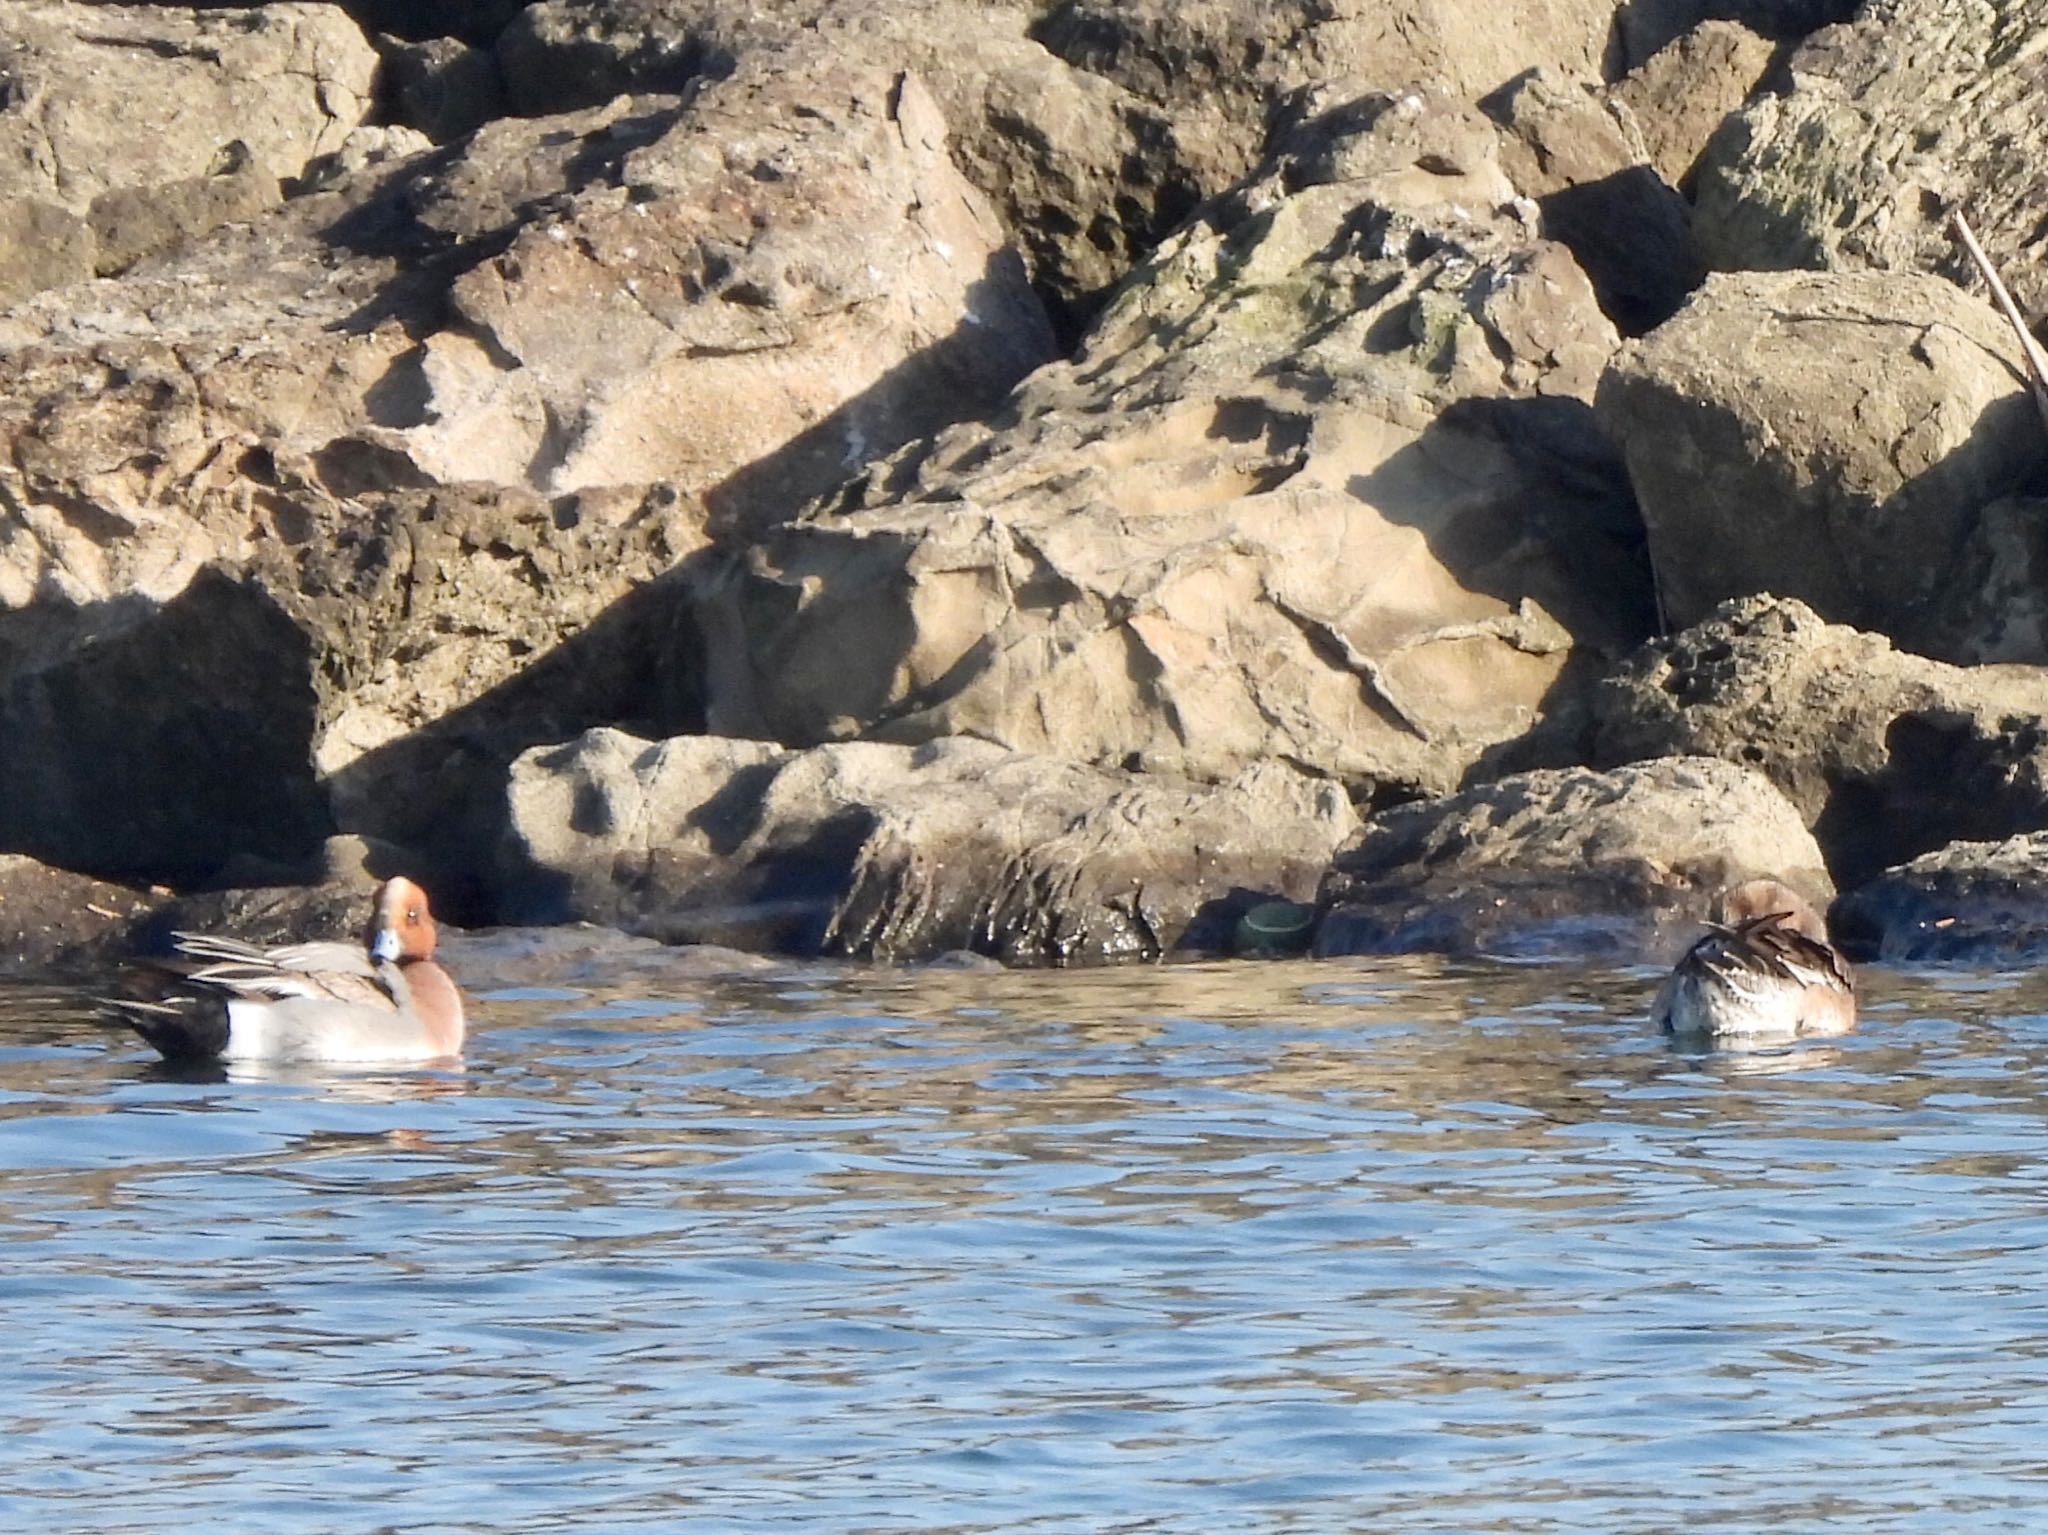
1303	1247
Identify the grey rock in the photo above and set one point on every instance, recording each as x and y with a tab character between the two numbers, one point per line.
441	86
1915	108
1566	861
896	853
129	223
1887	755
1832	437
1976	903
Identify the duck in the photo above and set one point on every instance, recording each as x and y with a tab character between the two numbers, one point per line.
1766	968
384	1001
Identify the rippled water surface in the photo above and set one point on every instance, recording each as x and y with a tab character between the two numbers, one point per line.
1376	1246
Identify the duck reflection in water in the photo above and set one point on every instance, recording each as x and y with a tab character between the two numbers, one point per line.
1765	971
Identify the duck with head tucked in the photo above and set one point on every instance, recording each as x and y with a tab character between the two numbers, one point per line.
1765	970
385	1001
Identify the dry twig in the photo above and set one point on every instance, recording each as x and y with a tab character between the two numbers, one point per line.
2037	359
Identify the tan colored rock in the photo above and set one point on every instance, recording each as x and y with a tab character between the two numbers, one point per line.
1833	437
809	295
322	455
1679	95
370	661
129	223
1191	53
102	100
894	853
1585	159
1915	108
42	246
1644	28
1084	174
1569	860
1093	128
1320	487
1886	755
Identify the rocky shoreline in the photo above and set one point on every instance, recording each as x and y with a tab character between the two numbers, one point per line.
1056	479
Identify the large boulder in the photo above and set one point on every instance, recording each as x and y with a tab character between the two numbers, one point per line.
789	279
1322	486
1915	108
1092	125
891	852
111	112
1976	903
370	662
318	505
1085	174
1886	755
1833	437
1565	860
55	923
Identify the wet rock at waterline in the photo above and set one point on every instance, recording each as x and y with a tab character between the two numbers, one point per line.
1834	437
1975	903
1886	755
1571	861
894	852
1965	903
1323	486
55	923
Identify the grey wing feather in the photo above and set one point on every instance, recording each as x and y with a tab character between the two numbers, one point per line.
336	972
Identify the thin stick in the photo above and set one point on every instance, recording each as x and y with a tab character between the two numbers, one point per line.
2037	360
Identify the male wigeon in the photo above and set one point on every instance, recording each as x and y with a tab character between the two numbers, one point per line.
334	1002
1765	970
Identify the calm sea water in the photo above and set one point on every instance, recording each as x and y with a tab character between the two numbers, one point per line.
1297	1247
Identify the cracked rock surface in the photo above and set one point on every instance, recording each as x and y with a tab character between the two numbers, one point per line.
1834	437
1886	754
193	115
1566	860
1322	485
1915	108
894	853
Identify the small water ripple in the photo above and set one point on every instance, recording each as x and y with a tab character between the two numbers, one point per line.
1414	1245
